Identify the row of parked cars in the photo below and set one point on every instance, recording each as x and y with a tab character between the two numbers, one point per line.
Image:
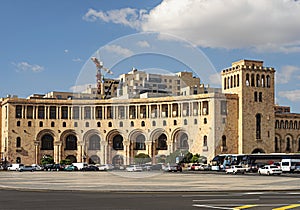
264	170
85	167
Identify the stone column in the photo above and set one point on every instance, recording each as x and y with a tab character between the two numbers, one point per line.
126	144
57	152
36	151
80	152
103	159
149	150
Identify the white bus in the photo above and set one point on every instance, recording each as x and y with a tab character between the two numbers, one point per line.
289	165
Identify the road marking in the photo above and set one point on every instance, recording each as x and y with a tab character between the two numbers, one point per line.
287	207
212	207
244	207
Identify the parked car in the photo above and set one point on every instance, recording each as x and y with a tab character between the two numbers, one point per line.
37	167
270	170
195	167
53	167
173	168
26	168
106	167
90	168
235	169
133	168
14	167
71	168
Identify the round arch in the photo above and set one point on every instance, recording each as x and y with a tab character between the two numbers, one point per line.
258	150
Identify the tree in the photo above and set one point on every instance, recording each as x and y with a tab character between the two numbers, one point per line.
47	159
142	158
66	162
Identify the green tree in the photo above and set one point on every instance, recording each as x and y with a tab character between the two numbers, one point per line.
47	159
142	158
66	162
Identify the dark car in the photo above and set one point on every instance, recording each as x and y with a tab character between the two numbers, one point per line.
90	168
53	167
173	168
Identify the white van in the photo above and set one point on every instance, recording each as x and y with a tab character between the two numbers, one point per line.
289	165
14	167
80	165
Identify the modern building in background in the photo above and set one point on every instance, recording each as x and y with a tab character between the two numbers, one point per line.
152	114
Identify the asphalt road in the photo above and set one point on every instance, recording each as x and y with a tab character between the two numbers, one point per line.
15	199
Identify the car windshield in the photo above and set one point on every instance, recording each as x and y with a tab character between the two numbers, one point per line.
273	166
238	166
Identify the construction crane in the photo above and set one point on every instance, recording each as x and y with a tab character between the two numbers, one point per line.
99	76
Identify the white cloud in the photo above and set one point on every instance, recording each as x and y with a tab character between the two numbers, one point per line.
264	25
117	49
143	44
77	59
66	51
286	74
292	95
25	66
125	16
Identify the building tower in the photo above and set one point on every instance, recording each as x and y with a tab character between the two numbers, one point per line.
254	85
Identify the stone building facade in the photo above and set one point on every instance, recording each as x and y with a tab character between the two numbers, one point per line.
241	118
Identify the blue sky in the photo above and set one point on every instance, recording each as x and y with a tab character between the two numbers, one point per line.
47	45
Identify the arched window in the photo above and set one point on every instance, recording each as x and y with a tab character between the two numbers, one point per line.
286	124
64	124
41	124
277	124
288	144
252	80
231	82
238	80
183	141
228	82
140	142
268	81
162	142
299	145
295	125
18	142
257	80
205	121
175	122
164	123
110	124
87	124
121	124
132	124
94	159
282	124
18	123
47	142
263	80
118	142
224	143
18	160
291	125
52	124
94	142
153	123
205	141
98	124
71	142
185	122
258	126
225	83
234	81
143	123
